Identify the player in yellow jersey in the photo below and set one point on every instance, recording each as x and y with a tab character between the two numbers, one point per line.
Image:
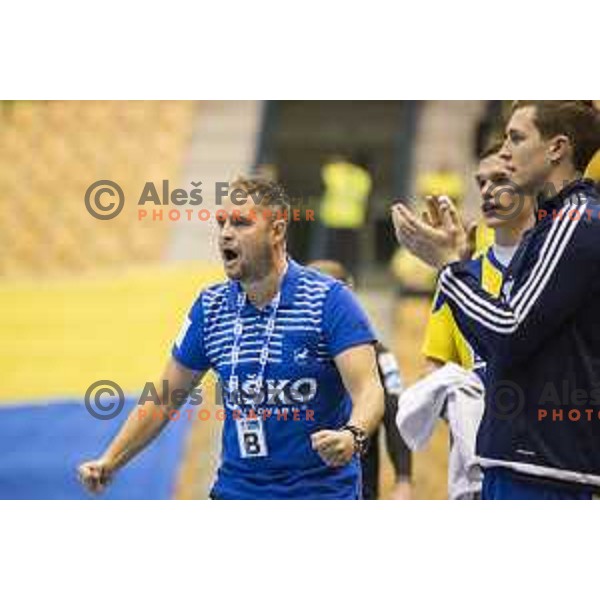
509	215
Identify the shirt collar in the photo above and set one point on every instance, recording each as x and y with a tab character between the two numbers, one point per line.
500	256
288	286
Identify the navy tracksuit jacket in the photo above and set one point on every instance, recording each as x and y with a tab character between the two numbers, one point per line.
541	340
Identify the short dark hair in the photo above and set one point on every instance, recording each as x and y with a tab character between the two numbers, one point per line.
579	120
266	192
492	148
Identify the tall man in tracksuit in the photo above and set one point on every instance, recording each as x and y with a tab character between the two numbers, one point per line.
540	433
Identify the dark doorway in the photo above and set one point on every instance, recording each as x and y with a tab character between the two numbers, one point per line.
299	136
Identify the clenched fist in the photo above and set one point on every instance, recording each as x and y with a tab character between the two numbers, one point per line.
336	448
95	475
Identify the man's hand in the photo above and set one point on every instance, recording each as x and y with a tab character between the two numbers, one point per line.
140	428
95	475
437	238
334	447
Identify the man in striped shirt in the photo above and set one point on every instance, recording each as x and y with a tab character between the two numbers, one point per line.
293	351
540	433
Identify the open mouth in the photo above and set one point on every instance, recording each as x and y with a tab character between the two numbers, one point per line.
489	208
230	256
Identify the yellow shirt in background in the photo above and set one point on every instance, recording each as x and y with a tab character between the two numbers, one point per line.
593	169
347	189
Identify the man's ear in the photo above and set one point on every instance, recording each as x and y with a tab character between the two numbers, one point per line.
559	148
280	226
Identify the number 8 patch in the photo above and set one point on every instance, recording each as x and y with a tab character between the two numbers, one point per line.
251	438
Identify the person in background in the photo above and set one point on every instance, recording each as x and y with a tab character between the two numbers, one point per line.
343	210
508	216
391	380
444	342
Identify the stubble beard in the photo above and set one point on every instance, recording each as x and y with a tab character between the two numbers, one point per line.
261	265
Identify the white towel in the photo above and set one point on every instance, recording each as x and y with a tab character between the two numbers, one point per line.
458	395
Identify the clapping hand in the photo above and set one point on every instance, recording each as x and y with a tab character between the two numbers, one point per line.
437	237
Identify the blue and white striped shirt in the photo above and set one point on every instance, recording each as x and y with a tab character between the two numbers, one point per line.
317	319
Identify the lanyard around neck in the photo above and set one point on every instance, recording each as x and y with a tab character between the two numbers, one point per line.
238	330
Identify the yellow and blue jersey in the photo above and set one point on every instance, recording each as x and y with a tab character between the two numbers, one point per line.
444	340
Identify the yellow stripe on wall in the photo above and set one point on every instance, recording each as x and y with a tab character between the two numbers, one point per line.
58	337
